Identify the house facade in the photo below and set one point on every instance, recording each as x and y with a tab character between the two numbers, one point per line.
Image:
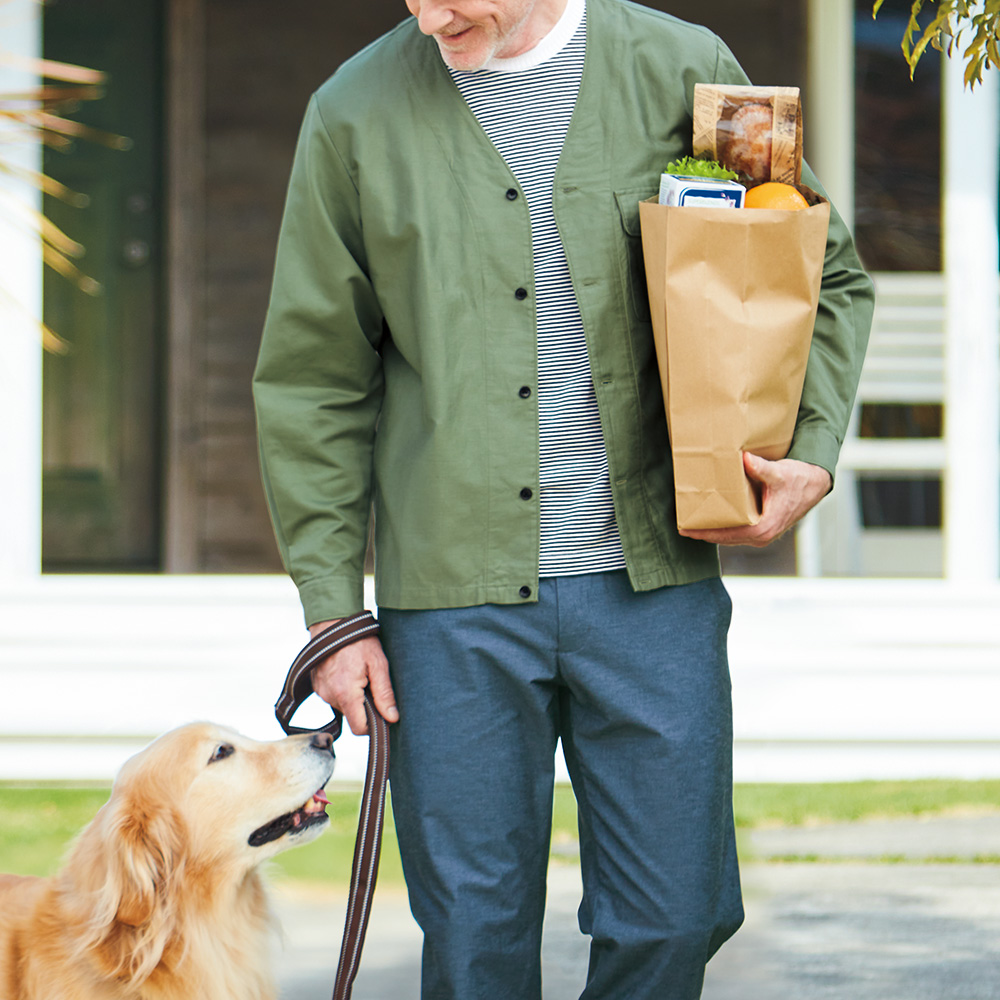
129	462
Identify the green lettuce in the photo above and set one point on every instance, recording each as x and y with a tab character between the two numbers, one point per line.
688	166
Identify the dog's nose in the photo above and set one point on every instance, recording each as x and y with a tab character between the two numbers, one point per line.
321	741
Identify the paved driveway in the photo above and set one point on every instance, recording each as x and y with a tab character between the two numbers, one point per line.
845	930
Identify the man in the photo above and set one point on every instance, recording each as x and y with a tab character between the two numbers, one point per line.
459	330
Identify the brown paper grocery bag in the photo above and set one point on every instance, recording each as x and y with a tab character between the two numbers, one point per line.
733	294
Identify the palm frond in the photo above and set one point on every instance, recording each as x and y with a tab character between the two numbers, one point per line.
49	69
45	184
51	341
46	122
41	114
61	264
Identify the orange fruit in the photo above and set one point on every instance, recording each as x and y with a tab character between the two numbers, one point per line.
774	195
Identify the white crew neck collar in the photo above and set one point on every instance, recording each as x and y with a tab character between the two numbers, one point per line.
555	41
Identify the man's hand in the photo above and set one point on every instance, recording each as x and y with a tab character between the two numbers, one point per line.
790	490
340	680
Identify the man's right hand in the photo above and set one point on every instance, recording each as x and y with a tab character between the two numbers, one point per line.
340	680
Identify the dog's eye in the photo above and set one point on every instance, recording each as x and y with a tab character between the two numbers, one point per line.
221	752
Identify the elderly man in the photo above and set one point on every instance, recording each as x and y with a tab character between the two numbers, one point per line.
459	333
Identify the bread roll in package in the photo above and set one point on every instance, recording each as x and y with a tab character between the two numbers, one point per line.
756	131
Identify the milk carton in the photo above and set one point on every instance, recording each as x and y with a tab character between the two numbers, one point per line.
703	192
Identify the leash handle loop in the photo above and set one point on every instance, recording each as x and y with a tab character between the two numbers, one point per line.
298	684
368	843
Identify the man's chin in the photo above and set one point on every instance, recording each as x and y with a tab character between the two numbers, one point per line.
468	60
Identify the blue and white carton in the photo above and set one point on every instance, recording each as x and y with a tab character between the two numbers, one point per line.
701	192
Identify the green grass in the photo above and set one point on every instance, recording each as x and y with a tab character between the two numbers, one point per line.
37	824
798	805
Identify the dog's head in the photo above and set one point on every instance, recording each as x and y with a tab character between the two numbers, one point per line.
239	801
188	820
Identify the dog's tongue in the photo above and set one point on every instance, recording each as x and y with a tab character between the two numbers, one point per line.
317	803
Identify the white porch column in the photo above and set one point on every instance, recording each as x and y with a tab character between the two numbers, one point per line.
20	340
971	141
828	122
828	127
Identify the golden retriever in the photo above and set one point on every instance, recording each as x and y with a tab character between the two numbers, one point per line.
160	897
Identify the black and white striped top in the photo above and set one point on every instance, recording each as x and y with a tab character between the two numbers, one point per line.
524	105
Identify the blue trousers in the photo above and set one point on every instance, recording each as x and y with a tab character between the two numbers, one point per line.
637	687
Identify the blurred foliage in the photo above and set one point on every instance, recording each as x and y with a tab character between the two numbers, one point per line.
45	114
951	20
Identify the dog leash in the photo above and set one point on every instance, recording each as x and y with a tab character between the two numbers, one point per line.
368	844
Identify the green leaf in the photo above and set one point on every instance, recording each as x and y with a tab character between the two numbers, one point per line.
974	71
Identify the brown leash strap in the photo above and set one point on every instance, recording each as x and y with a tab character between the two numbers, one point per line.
367	848
368	844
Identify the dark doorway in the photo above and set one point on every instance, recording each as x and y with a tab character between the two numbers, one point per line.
102	399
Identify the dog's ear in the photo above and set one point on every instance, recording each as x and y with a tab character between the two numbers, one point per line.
145	863
126	864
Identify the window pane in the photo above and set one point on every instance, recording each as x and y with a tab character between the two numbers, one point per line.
897	146
900	503
901	420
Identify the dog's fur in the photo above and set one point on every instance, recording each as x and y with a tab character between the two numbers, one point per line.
160	898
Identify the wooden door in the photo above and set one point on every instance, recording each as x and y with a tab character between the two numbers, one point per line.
102	399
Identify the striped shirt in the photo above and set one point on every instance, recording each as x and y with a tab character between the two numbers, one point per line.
524	105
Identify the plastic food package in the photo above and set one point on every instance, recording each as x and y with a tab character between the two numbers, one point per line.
756	131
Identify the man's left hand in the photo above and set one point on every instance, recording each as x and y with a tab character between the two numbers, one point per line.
789	490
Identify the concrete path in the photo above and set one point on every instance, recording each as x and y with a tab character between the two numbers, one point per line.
846	930
964	838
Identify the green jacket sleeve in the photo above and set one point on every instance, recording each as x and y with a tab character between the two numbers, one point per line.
840	336
318	381
839	342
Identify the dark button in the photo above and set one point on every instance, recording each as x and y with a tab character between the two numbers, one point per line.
525	591
525	493
524	392
512	194
521	294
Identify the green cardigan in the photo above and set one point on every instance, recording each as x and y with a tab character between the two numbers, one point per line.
395	351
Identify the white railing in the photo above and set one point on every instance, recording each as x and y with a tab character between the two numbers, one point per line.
832	679
904	365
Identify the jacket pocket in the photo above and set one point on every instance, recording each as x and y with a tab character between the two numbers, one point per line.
633	267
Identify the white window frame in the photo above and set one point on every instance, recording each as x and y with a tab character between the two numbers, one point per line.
20	333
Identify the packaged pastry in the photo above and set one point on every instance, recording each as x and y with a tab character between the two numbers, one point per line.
756	131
